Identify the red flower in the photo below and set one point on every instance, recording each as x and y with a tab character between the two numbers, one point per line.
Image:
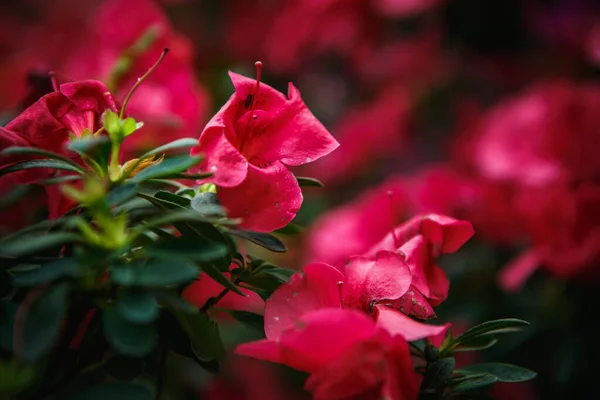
49	123
345	353
248	145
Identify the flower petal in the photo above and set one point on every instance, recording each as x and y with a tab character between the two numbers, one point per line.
294	136
315	288
386	277
89	95
228	166
514	275
397	323
401	381
267	199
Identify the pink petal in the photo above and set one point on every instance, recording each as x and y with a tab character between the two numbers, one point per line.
401	380
387	277
358	370
447	234
514	275
267	199
89	96
294	136
228	166
414	304
268	99
315	288
427	278
397	323
315	340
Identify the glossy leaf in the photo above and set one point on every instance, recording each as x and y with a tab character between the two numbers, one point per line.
89	144
130	339
204	335
309	182
252	320
136	305
186	248
154	274
40	163
43	322
18	247
33	151
476	382
121	194
504	372
46	273
166	168
265	240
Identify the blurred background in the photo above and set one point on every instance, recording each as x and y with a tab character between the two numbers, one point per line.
482	110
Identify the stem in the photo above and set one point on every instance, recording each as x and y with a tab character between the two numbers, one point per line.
114	169
211	302
140	80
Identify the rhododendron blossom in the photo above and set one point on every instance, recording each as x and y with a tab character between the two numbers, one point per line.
345	353
72	110
249	145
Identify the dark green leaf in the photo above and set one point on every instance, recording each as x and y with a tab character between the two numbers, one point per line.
504	372
40	152
265	240
476	344
184	143
154	274
492	328
89	144
46	273
18	247
121	194
186	248
173	198
61	179
438	372
479	381
212	270
252	320
135	340
18	192
41	163
166	168
136	305
43	322
115	391
290	229
204	335
309	182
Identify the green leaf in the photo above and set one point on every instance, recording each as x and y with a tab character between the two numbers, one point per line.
89	144
61	179
215	273
130	339
115	391
492	328
18	247
120	194
186	248
173	198
46	273
166	168
290	229
41	163
265	240
309	182
184	143
154	274
112	123
204	335
476	344
254	321
477	382
504	372
136	305
18	192
16	150
207	204
43	322
437	373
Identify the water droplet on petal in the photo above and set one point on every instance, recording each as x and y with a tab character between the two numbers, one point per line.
308	159
213	168
276	318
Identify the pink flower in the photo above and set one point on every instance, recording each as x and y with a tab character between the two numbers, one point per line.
405	8
49	123
345	353
248	145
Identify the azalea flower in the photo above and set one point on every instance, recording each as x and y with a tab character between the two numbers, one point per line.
345	353
49	124
249	145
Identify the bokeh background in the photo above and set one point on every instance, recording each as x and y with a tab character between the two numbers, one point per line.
483	110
